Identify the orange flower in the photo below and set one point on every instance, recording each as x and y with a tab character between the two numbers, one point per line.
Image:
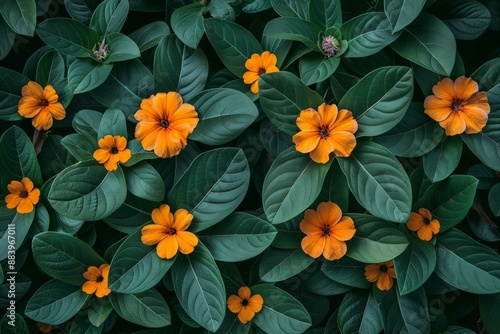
112	150
458	106
169	232
165	123
423	224
326	231
23	195
245	304
257	65
41	104
382	273
324	131
97	281
45	328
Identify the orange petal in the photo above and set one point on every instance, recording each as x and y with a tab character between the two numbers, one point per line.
244	292
343	142
102	290
255	303
163	216
147	111
107	142
437	109
182	219
415	221
34	196
43	120
372	272
89	287
329	213
435	226
29	107
255	87
454	124
185	118
254	63
167	248
250	77
306	141
234	303
321	154
344	230
445	90
465	88
384	282
101	155
165	147
168	103
425	213
272	69
246	314
34	90
27	184
57	110
50	94
344	122
12	200
153	234
269	60
15	187
334	249
124	155
187	241
112	163
25	206
425	233
309	120
311	223
327	114
147	133
92	273
313	245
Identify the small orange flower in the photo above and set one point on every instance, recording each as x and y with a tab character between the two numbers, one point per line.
458	106
382	273
97	281
45	328
325	131
41	104
423	224
165	123
112	150
257	65
169	232
326	231
23	195
245	304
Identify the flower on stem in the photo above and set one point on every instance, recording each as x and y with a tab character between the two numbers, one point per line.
330	45
245	304
326	231
41	104
97	281
169	232
423	224
324	131
257	65
101	50
165	123
23	195
383	273
113	149
458	106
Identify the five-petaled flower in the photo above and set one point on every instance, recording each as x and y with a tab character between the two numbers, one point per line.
324	131
423	224
383	273
165	123
245	304
458	106
113	149
326	231
41	104
257	65
23	195
97	281
169	232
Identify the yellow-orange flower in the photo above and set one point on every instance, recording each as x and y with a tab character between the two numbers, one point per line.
165	123
97	281
423	224
23	195
325	131
257	65
326	231
458	106
169	232
41	104
245	304
45	328
113	149
382	273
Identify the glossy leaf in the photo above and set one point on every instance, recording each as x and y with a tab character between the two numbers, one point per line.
443	159
493	197
7	42
20	15
87	122
489	305
144	181
294	29
326	13
314	67
11	85
138	153
401	13
50	69
86	74
358	313
280	264
18	233
80	146
99	311
187	24
112	123
290	8
149	35
346	271
109	16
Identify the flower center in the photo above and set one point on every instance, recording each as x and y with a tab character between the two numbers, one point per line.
172	231
45	103
114	150
99	279
261	71
326	230
383	268
244	302
426	221
164	123
324	133
456	105
24	194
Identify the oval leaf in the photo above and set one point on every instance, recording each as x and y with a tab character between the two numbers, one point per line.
11	85
87	74
401	13
280	264
145	182
359	313
187	23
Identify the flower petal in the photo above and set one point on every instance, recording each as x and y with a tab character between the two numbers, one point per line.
153	234
112	163
92	273
168	247
187	241
309	120
43	120
89	287
311	223
29	107
437	109
15	187
244	292
327	114
313	245
343	230
182	219
101	155
234	303
57	110
255	303
25	206
246	314
415	222
162	216
465	88
454	124
372	272
147	133
445	90
384	282
329	213
306	141
334	249
321	154
12	200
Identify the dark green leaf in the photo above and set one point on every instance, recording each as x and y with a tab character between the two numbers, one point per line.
443	159
79	10
19	327
87	122
112	123
359	313
80	146
327	13
489	306
87	74
340	83
20	15
8	37
290	8
493	199
401	12
187	23
99	311
144	181
14	228
273	140
346	271
149	35
280	264
138	153
294	29
314	67
11	85
50	69
109	16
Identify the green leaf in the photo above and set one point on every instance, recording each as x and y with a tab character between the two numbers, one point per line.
314	67
367	34
405	314
378	181
126	85
281	313
283	96
109	16
232	43
212	187
375	240
290	8
327	13
112	123
144	181
449	200
50	69
240	236
87	122
55	302
149	35
488	80
291	185
489	306
16	223
121	47
64	257
466	264
294	29
187	23
20	15
80	146
415	135
280	264
20	326
136	267
335	188
289	235
443	159
493	199
401	13
415	265
68	36
79	10
81	324
224	114
359	313
87	74
8	37
427	42
179	68
87	191
380	99
199	287
346	271
340	83
138	153
99	311
11	85
147	308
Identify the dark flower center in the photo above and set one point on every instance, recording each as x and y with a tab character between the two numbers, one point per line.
383	268
45	103
261	71
456	105
326	230
164	123
324	133
172	231
114	150
24	194
426	221
244	302
99	279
